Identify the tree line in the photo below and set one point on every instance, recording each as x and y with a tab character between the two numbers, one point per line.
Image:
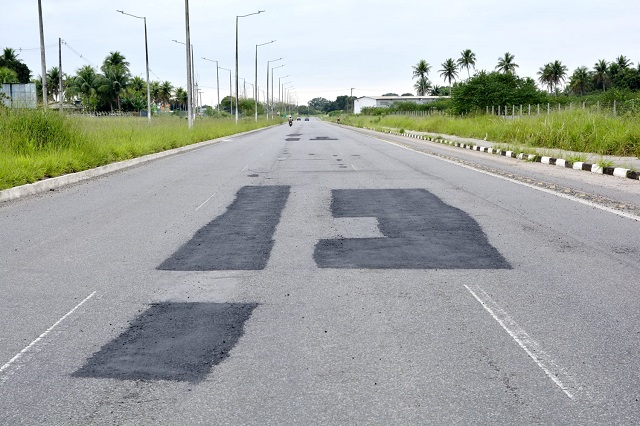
617	74
110	88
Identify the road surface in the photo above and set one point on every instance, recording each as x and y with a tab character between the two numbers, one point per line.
321	275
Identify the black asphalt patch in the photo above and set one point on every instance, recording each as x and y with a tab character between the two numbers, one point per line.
239	239
421	232
171	341
253	175
292	139
323	138
295	134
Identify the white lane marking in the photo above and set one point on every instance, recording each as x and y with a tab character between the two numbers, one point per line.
548	191
530	346
354	167
206	201
261	154
245	168
43	335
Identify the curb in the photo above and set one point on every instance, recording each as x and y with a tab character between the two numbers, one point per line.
52	184
535	158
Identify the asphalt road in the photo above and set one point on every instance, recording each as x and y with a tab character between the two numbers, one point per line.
318	275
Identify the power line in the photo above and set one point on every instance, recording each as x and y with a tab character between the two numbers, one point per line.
79	54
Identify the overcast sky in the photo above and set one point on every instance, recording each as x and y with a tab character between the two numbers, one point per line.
329	46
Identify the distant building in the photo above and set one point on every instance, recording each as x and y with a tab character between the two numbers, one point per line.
19	95
387	101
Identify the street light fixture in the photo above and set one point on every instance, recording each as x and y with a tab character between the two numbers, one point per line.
146	49
256	82
267	97
217	80
237	17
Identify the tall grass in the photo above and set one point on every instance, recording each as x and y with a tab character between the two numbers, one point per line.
577	130
37	144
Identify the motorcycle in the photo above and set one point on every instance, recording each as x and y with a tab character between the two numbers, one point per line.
290	123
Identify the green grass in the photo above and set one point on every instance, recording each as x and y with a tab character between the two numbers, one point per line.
35	144
576	130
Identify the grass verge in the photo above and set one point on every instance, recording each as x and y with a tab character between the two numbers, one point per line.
36	145
578	130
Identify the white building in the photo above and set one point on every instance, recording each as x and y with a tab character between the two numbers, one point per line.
387	101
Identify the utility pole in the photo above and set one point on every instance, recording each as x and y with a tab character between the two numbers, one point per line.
60	74
43	61
189	60
352	103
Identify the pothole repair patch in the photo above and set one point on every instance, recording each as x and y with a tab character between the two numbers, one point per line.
171	341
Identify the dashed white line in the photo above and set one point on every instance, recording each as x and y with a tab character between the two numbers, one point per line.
43	335
206	201
245	168
530	346
354	167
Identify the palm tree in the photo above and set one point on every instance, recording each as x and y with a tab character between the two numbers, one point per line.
436	90
9	55
601	69
181	97
467	60
86	83
545	77
137	84
116	59
164	92
558	73
53	82
422	86
113	84
421	69
623	62
579	80
154	87
8	76
449	71
506	64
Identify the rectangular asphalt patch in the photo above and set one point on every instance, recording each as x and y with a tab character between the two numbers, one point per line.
239	239
171	341
420	232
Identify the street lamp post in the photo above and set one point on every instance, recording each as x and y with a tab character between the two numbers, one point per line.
230	92
256	81
280	87
267	96
353	106
237	17
146	50
189	64
217	80
43	62
284	107
273	88
190	80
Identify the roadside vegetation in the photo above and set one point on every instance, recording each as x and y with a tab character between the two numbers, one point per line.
593	110
577	130
38	144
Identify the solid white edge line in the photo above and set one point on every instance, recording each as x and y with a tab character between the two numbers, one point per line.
530	346
548	191
43	335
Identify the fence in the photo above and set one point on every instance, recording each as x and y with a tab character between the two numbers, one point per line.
614	108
